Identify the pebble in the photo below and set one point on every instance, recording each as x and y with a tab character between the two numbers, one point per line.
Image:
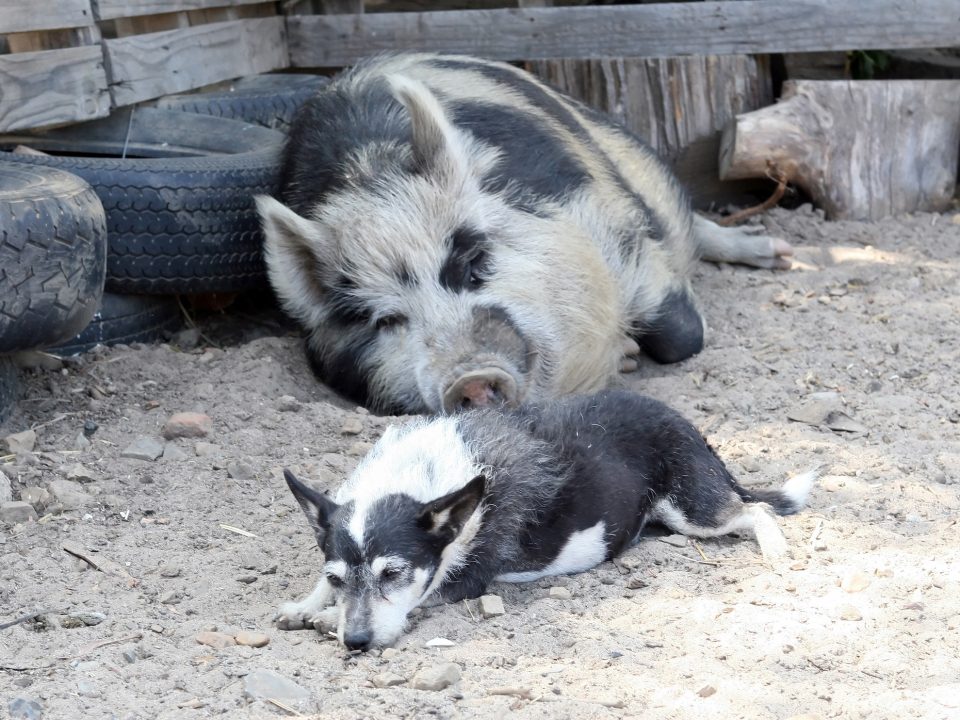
559	593
251	638
69	494
491	606
87	689
205	449
679	541
80	474
359	448
143	448
80	442
129	655
169	571
17	511
288	403
750	464
437	677
387	679
87	617
186	339
706	691
171	597
389	653
247	579
241	470
187	425
855	581
849	612
264	684
21	708
439	642
6	489
174	453
216	640
36	496
20	443
351	426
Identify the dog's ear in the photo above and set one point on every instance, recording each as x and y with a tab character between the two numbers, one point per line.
446	516
316	506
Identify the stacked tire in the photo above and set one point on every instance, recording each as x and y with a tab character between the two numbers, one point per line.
113	219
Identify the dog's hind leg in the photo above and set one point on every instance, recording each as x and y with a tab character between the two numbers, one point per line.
311	612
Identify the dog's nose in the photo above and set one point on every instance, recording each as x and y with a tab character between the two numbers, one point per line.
358	640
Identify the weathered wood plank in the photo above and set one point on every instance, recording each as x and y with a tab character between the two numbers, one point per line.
52	87
26	15
112	9
141	67
658	30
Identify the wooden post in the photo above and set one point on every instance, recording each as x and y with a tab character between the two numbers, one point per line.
861	149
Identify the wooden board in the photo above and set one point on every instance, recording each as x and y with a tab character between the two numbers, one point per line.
148	66
112	9
657	30
52	87
26	15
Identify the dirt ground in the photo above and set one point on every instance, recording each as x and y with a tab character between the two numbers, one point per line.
862	622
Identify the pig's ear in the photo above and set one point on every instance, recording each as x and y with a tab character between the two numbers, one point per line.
431	132
294	249
446	516
316	506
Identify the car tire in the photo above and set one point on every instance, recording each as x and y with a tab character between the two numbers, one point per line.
126	319
53	245
178	193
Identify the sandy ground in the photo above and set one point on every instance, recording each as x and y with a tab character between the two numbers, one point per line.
862	622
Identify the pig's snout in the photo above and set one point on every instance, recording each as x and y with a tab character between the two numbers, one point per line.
480	388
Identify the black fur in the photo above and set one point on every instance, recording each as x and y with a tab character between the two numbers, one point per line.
468	264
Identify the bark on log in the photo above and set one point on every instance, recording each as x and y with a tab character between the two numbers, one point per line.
861	149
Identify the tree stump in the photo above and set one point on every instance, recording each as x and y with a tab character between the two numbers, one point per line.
861	149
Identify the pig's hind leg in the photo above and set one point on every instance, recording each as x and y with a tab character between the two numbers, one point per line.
736	245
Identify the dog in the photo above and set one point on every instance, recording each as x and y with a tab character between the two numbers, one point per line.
442	507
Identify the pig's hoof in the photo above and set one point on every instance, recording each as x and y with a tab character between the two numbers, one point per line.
763	251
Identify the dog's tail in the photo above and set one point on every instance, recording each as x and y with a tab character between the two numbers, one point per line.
789	499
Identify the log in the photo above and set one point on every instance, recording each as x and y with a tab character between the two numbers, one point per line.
861	149
678	105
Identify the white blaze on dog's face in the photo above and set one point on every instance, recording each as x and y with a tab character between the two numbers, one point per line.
386	550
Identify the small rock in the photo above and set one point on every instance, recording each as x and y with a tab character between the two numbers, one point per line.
849	612
216	640
387	679
21	708
241	470
288	403
559	593
855	581
171	597
174	453
679	541
187	425
247	579
80	442
439	642
750	464
86	688
390	653
79	473
89	428
186	339
17	511
252	638
6	489
206	450
264	685
437	677
69	494
491	606
706	691
36	496
359	448
169	571
129	656
351	426
635	583
87	617
143	448
20	443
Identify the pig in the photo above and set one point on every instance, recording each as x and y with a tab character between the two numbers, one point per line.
452	233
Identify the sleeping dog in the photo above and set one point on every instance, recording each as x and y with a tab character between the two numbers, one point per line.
442	507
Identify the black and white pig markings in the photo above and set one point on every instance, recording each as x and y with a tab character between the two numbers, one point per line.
442	507
452	232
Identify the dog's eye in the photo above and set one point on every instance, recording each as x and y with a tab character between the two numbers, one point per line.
335	580
390	575
387	322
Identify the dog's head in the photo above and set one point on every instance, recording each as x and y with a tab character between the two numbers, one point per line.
382	559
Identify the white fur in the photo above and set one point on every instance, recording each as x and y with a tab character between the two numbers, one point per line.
797	489
388	616
583	550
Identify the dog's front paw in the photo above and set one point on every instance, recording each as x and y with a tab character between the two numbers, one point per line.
305	616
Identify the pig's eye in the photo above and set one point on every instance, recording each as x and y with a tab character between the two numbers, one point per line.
386	322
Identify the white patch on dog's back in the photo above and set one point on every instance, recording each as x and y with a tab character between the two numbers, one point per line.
583	550
425	460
